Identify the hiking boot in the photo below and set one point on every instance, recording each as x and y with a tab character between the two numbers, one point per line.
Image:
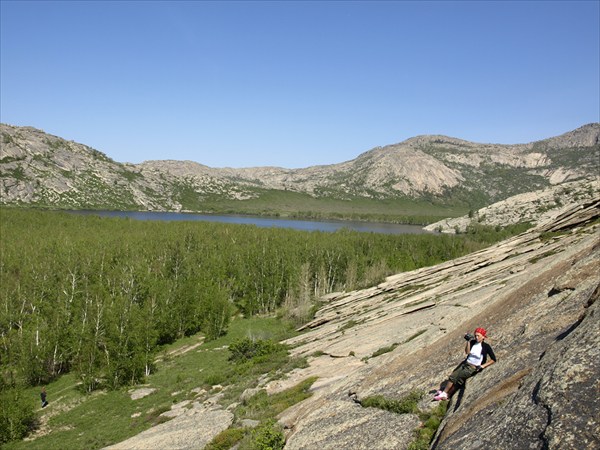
441	396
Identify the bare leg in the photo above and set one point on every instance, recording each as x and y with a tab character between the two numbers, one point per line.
451	390
449	386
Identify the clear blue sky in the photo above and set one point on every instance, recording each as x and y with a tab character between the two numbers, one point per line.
295	84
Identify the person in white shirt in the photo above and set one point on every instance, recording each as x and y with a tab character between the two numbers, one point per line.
479	356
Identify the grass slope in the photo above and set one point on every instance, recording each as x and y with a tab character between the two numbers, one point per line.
298	205
74	420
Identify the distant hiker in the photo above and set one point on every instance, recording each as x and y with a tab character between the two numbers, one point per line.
43	397
477	352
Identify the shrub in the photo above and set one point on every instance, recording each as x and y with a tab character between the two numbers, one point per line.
215	379
248	349
406	405
431	422
262	407
16	415
268	436
227	439
384	350
414	336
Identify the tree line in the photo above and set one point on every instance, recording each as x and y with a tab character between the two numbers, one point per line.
100	296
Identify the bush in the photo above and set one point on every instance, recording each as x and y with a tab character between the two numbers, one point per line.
227	439
384	350
215	379
489	234
16	415
404	406
268	436
431	422
264	408
248	349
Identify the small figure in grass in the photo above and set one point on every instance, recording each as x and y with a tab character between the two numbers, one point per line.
479	356
43	397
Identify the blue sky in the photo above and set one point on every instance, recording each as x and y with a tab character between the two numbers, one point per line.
295	84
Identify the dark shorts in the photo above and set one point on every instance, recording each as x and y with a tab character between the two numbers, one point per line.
462	372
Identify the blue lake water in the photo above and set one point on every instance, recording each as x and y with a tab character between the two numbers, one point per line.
265	222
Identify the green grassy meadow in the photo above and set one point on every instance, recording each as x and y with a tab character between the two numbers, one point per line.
75	420
298	205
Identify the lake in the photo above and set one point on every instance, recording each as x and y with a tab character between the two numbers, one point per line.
264	222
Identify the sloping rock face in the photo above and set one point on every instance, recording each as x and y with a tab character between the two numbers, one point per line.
193	429
535	293
554	404
344	425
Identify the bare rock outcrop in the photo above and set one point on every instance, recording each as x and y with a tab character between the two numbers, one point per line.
534	207
192	429
536	293
550	404
349	425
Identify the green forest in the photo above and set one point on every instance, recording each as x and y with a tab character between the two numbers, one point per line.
99	297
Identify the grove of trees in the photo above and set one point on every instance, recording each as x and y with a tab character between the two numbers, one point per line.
100	296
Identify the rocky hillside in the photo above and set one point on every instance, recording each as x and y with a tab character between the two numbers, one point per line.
40	169
533	207
536	293
434	165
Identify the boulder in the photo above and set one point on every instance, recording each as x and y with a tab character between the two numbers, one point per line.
193	429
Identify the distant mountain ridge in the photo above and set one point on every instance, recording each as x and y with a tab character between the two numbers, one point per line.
40	169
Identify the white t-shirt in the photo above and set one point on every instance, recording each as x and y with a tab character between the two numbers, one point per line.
475	355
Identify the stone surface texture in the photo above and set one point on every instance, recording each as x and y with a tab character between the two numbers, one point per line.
535	293
193	429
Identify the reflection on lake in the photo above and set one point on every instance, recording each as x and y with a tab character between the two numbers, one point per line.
304	225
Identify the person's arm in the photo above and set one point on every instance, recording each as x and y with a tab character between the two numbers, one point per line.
488	363
491	357
467	348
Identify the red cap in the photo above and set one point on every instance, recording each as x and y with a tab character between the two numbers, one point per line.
481	331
